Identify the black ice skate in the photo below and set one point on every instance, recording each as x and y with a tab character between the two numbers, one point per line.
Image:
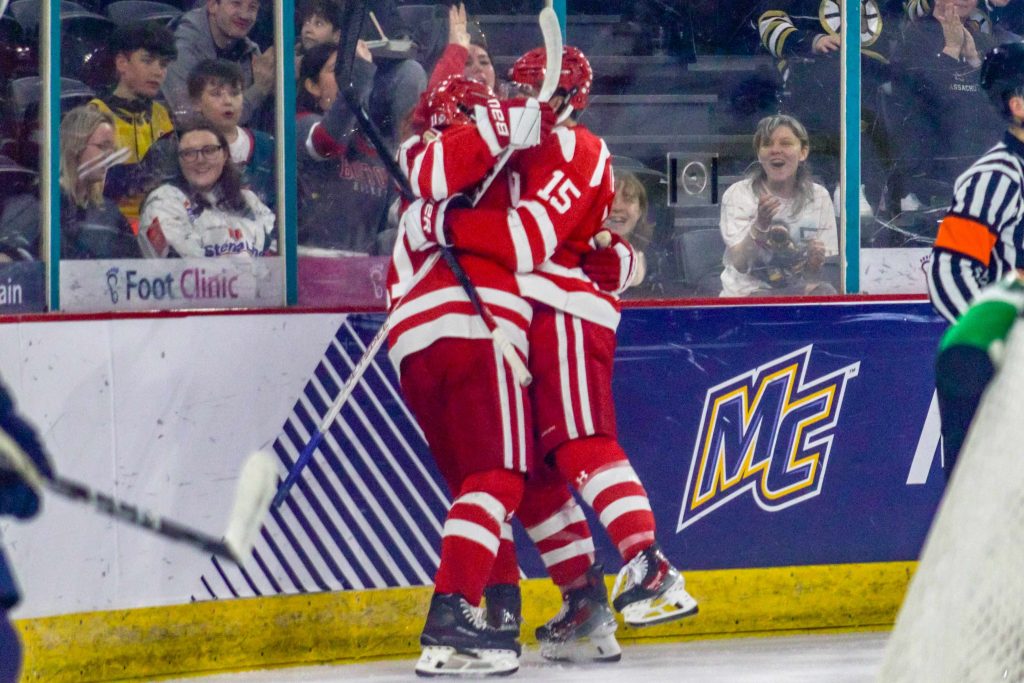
649	590
584	629
457	642
503	603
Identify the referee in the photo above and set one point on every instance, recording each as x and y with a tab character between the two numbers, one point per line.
981	239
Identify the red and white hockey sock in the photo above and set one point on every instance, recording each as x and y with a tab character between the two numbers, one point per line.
556	525
598	468
472	532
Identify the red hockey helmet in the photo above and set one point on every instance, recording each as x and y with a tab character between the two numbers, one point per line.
453	100
575	80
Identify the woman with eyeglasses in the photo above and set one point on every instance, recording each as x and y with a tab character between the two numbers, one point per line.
91	226
204	211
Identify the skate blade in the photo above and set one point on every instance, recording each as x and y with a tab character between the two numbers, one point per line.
674	604
437	660
595	648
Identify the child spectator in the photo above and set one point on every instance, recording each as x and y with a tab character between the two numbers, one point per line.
142	53
215	92
203	210
317	27
219	29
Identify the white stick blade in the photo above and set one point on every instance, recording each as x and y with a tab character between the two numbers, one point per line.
552	32
257	483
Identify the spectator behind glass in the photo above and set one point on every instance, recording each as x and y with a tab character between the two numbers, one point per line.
316	27
778	225
219	30
939	103
215	91
19	212
204	211
399	78
91	226
142	53
466	52
344	188
628	219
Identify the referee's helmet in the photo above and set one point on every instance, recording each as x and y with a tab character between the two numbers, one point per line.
1002	74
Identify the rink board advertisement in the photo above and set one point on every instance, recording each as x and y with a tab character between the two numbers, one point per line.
767	436
783	435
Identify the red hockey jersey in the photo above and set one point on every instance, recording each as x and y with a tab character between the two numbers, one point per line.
561	192
426	301
536	221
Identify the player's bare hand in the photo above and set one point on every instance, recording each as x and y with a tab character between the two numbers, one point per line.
363	51
457	32
825	43
263	70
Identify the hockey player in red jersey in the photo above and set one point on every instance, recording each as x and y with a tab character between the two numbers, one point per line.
475	416
561	193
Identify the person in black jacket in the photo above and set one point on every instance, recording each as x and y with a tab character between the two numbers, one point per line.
91	226
938	98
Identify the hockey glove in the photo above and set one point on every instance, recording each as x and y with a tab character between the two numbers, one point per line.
611	268
516	124
16	497
423	222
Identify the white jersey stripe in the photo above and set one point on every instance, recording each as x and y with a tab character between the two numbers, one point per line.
998	201
581	378
438	178
595	179
521	243
521	465
507	440
450	326
546	228
563	375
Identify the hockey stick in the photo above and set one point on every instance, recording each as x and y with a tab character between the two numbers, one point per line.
346	390
553	42
252	497
552	32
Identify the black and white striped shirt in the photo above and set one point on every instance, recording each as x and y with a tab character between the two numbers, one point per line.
982	236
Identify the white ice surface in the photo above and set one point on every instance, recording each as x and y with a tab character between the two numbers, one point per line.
837	658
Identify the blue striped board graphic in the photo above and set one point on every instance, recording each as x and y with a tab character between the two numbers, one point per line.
368	510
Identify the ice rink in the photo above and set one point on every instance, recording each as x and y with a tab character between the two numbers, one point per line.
836	658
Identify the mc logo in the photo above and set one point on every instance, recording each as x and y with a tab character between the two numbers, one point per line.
768	431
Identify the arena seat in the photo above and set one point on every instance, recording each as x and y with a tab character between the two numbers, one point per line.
124	12
699	252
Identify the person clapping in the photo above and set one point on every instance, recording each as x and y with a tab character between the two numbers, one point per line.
778	225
